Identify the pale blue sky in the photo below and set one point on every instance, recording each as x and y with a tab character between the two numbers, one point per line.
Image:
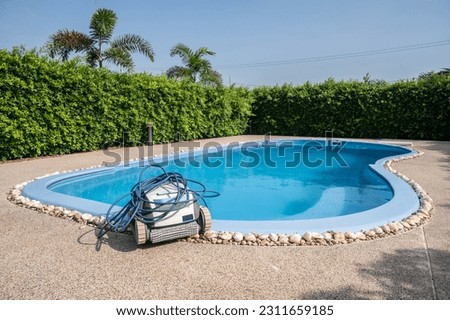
246	32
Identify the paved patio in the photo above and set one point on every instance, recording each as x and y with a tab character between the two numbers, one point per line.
43	257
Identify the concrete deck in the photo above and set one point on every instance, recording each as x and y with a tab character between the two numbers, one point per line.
42	257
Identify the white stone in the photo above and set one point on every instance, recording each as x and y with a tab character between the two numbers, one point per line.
96	220
20	199
350	235
316	235
327	236
386	228
210	234
393	227
283	239
238	237
405	224
37	205
307	236
399	225
339	236
273	237
263	236
427	206
370	233
225	236
250	237
295	238
86	216
378	230
360	236
422	216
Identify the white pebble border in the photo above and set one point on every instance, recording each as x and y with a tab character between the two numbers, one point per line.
415	220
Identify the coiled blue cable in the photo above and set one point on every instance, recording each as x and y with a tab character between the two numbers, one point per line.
139	207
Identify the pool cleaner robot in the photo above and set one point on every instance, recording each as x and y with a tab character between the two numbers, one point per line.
161	208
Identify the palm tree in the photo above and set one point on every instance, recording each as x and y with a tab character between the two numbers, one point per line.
444	72
196	68
64	42
428	75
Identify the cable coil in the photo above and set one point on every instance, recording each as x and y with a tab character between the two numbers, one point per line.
140	208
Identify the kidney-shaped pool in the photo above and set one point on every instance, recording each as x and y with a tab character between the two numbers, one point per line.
288	186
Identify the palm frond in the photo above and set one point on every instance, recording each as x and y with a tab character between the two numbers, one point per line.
204	51
444	71
102	25
211	78
201	65
183	51
134	43
92	57
179	72
120	57
64	42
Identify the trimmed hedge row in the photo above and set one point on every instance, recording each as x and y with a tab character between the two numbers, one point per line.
47	108
50	108
405	110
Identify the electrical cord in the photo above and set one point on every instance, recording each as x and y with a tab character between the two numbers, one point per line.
139	207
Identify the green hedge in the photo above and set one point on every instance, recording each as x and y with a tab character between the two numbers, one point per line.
405	110
47	107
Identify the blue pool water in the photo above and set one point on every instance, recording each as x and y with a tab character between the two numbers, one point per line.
287	181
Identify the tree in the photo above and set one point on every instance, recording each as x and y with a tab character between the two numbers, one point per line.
103	21
196	67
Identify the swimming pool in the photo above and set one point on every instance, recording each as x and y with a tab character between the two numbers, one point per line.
289	186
